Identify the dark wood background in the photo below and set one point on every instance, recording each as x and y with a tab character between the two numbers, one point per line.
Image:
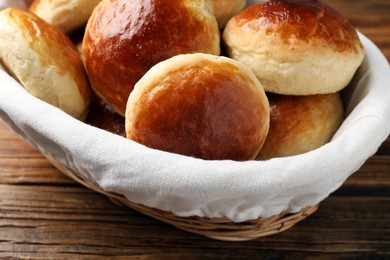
45	215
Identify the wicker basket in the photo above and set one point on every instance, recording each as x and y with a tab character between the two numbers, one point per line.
215	228
366	127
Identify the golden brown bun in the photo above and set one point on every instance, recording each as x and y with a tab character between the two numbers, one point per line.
295	47
199	105
300	124
66	15
103	117
226	9
44	61
124	39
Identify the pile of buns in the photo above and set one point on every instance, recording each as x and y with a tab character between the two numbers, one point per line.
211	79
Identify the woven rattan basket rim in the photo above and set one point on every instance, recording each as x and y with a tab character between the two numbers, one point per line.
215	228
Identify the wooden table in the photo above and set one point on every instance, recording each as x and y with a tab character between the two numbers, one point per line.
43	214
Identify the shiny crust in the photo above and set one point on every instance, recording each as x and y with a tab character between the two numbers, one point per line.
291	44
67	16
300	124
303	20
199	105
124	39
226	9
44	61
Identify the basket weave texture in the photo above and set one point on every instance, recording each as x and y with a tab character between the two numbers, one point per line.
215	228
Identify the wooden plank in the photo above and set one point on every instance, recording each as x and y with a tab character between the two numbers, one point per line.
370	17
384	149
17	148
375	172
76	222
11	145
30	170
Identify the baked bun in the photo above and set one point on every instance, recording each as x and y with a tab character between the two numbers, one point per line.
295	47
67	16
103	117
199	105
124	39
44	61
226	9
300	124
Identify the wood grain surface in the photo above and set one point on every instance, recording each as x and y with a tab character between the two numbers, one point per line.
45	215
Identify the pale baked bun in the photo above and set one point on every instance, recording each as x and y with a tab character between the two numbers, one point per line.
44	61
295	47
66	15
199	105
226	9
300	124
124	39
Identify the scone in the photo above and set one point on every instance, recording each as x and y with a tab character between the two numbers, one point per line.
295	47
226	9
124	39
300	124
44	61
199	105
66	15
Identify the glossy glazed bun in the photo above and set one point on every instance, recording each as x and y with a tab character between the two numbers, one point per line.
226	9
199	105
67	16
124	39
295	47
300	124
44	61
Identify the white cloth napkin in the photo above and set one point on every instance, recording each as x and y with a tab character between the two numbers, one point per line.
187	186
